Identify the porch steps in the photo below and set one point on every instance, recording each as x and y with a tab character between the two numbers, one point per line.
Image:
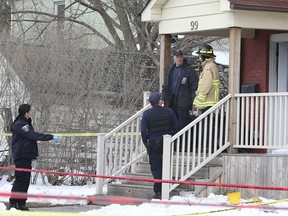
144	190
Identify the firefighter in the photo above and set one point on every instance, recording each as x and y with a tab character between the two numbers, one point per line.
207	93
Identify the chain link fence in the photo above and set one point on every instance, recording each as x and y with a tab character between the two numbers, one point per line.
71	90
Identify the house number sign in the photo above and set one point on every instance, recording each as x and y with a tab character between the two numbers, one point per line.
194	25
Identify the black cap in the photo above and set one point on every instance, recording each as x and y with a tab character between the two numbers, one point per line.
155	97
177	52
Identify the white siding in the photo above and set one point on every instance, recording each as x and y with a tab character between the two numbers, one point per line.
194	10
211	17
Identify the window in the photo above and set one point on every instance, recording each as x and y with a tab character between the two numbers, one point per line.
59	10
59	7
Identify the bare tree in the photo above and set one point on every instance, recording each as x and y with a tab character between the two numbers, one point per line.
5	17
73	86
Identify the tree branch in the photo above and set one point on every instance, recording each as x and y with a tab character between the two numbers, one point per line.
68	19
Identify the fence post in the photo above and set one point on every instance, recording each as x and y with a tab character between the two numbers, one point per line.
146	95
100	163
166	165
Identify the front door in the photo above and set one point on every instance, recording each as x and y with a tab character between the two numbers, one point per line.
283	67
278	82
278	69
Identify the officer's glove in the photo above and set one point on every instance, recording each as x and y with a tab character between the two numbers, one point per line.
55	138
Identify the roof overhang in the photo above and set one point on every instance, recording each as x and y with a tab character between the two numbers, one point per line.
152	11
216	17
259	5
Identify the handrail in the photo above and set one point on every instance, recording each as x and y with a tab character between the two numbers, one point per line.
122	147
195	145
119	127
212	109
258	115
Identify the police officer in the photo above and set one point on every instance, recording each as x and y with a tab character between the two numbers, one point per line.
179	88
24	150
207	93
156	122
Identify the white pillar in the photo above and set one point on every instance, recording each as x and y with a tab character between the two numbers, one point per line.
234	81
146	95
166	166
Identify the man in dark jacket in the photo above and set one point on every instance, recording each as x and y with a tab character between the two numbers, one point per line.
156	122
24	150
180	87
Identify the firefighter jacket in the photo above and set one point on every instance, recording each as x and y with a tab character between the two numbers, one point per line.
207	93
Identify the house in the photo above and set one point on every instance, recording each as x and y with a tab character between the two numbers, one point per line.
258	34
58	19
258	63
257	31
12	92
253	116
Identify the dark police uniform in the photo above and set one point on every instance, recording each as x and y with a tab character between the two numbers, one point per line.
155	123
180	97
24	150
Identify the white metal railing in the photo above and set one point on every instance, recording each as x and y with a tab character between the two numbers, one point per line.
262	120
120	149
195	145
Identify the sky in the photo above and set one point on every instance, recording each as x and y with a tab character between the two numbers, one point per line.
213	205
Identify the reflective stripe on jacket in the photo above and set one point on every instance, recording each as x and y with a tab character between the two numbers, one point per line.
209	85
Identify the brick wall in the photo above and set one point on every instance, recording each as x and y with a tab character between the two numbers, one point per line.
255	60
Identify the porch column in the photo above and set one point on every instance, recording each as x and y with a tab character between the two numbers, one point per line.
165	50
234	81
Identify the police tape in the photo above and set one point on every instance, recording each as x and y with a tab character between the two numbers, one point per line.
81	134
217	210
41	213
260	205
213	184
97	199
37	213
127	200
66	134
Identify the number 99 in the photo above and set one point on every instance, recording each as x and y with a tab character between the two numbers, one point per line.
194	25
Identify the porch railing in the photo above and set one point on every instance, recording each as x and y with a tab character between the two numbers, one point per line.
120	149
261	122
195	145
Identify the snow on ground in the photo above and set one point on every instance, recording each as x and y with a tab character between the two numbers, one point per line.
175	206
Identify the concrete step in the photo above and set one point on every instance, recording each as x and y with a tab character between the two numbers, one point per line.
131	190
144	168
144	189
138	175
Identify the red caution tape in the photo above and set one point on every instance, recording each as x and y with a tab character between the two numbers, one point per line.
259	187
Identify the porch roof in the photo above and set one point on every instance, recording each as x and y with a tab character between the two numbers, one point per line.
260	5
215	17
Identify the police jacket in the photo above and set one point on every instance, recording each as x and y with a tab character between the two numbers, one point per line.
24	139
207	93
186	86
157	122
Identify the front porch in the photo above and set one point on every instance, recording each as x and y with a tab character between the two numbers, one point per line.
260	122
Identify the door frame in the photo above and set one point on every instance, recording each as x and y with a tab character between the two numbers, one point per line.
273	77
